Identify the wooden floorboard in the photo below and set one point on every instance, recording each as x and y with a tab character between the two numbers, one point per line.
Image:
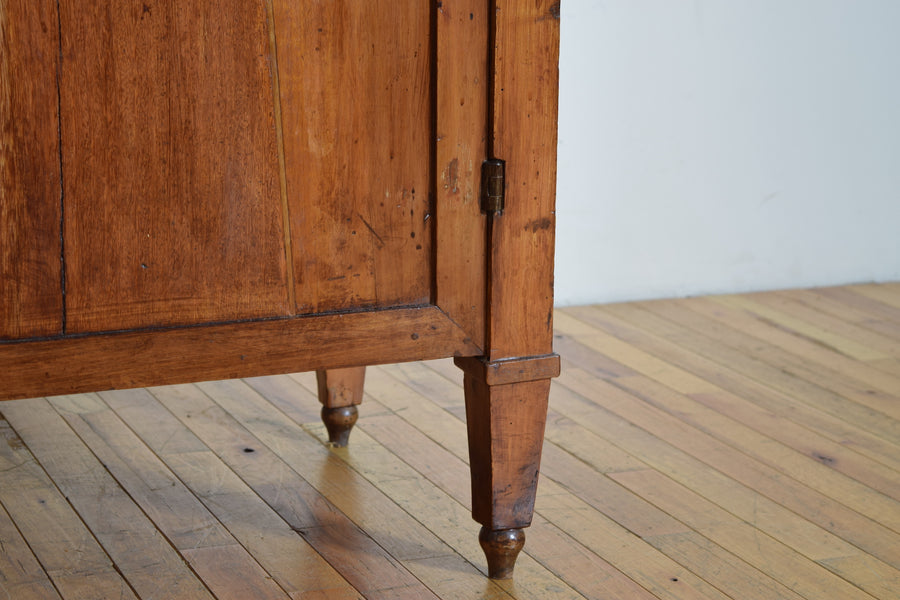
743	447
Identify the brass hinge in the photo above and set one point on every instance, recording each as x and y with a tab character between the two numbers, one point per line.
493	185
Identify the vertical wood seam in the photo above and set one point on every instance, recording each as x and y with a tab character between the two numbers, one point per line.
489	151
491	78
282	174
433	48
62	187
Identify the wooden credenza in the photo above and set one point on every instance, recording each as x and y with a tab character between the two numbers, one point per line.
203	190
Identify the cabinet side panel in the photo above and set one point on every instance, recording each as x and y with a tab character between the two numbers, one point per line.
526	76
355	81
30	286
462	77
172	199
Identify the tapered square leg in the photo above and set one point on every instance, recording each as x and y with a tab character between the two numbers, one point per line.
506	410
340	391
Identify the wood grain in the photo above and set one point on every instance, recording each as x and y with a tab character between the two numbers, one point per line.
53	529
355	81
768	555
718	401
460	228
340	390
157	357
141	553
172	199
502	372
644	492
793	389
818	507
827	329
523	133
506	429
304	513
566	481
21	575
388	537
341	387
31	301
745	502
878	301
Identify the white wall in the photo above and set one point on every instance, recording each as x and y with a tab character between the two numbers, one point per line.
726	145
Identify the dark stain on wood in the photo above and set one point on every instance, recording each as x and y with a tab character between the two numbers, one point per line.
825	460
555	10
539	225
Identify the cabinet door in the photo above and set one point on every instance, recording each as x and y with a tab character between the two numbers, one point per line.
234	188
234	160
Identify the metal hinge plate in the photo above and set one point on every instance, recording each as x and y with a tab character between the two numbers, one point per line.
493	186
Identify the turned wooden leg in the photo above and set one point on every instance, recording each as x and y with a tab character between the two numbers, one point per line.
340	391
506	409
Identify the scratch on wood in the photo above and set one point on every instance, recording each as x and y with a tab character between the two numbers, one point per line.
369	227
451	176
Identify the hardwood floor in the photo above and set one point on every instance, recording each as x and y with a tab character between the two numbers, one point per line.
743	447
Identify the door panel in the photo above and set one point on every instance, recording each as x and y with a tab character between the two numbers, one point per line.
173	211
231	161
30	284
355	81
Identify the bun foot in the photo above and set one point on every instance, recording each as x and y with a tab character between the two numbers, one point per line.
501	549
339	421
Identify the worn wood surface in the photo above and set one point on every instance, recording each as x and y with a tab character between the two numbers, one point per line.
675	466
170	169
506	408
461	146
355	81
236	161
523	133
340	390
30	281
506	430
341	387
233	164
131	359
